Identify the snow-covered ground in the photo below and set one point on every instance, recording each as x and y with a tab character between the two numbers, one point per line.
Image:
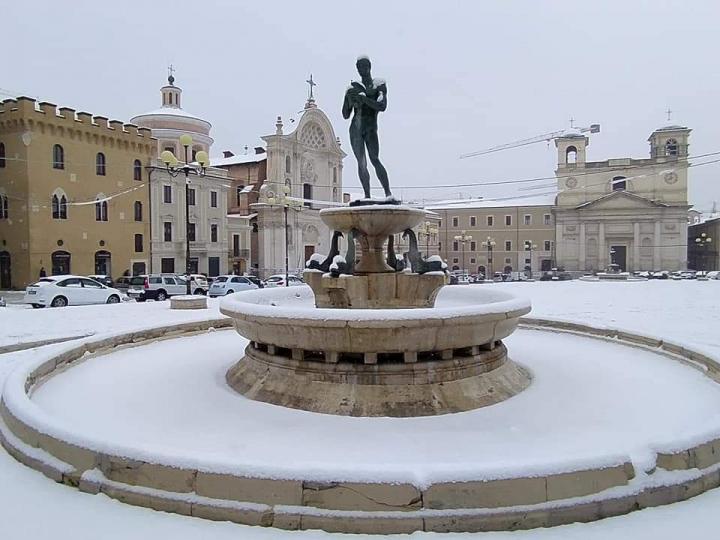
588	406
33	507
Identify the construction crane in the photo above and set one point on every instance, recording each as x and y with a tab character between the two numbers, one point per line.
545	137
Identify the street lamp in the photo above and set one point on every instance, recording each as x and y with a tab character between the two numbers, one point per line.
174	168
703	243
428	229
462	238
489	244
529	246
282	199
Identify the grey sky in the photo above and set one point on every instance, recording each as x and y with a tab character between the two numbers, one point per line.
461	76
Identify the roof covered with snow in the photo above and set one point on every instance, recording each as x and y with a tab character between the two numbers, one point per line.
543	199
171	111
237	160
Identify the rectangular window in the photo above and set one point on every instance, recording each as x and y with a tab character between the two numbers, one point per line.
236	245
167	194
455	221
508	245
213	199
455	246
455	260
472	260
473	246
191	197
138	210
473	221
527	219
167	266
527	261
213	233
547	245
546	219
508	221
507	260
191	232
167	231
138	243
490	221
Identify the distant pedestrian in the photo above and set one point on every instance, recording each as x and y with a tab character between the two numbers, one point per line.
42	272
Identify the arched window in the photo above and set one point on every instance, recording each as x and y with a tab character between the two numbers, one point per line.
671	147
571	155
307	194
138	210
100	164
60	263
137	170
2	155
58	157
101	213
3	207
287	164
619	183
59	205
102	263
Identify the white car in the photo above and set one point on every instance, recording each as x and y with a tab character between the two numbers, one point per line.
223	285
278	280
713	274
199	284
61	291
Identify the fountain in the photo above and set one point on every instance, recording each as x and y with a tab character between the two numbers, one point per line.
375	345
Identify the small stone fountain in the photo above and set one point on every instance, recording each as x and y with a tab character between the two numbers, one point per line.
368	339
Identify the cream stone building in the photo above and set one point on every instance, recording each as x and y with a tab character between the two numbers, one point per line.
73	193
309	162
208	223
503	235
630	212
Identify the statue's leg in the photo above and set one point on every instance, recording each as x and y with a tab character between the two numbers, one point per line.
373	146
358	147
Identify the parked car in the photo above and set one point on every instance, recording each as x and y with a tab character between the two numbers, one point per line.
278	280
256	280
229	284
2	302
122	283
68	290
556	274
199	284
498	277
713	274
156	287
517	276
102	278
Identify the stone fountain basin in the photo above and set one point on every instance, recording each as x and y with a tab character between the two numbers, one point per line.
462	317
373	220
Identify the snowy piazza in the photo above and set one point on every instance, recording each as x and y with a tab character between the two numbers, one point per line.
399	273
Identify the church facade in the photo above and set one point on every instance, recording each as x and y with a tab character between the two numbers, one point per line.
308	163
627	212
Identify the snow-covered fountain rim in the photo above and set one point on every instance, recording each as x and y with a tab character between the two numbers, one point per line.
20	404
298	303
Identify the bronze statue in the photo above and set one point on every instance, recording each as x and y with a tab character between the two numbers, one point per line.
367	98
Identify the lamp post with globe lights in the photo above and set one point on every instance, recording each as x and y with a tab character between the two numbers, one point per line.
530	246
489	244
428	229
462	238
703	242
282	199
174	168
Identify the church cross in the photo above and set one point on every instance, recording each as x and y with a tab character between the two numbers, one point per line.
571	122
668	112
171	70
311	83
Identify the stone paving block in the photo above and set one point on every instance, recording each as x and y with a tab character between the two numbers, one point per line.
357	496
579	483
139	473
258	490
490	494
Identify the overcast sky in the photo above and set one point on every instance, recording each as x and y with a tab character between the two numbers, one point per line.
461	76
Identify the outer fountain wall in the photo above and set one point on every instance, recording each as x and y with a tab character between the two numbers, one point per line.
354	507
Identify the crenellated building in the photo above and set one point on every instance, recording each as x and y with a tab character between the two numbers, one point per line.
74	196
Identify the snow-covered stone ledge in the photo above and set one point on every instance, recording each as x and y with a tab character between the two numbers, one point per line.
582	492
